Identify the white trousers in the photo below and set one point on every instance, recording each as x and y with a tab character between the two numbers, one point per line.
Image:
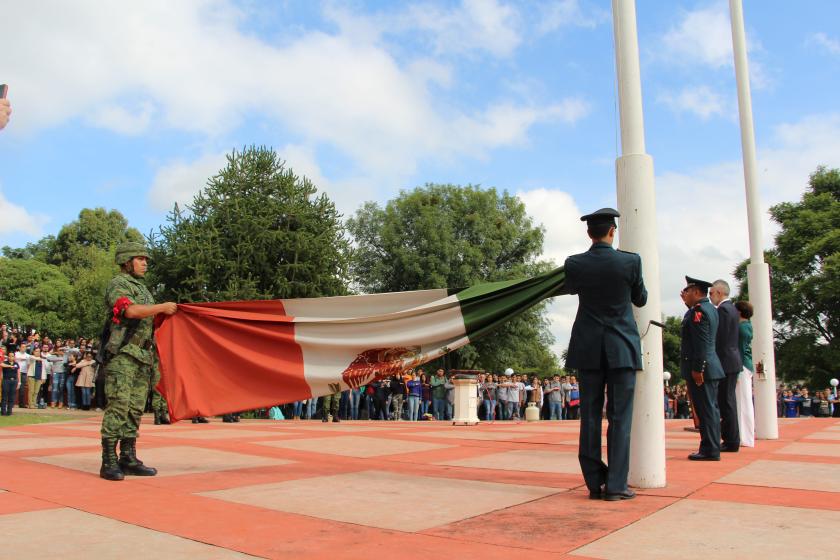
746	410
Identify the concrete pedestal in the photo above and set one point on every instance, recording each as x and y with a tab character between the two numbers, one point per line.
466	402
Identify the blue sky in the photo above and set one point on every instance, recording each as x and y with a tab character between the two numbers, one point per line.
133	106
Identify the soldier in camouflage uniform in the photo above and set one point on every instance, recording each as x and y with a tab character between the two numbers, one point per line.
331	407
133	365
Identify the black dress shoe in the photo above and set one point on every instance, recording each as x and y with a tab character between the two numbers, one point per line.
702	457
729	449
597	494
616	496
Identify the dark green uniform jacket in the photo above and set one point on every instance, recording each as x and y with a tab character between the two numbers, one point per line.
607	282
697	353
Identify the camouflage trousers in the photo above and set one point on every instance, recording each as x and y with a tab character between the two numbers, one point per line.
331	404
159	405
127	384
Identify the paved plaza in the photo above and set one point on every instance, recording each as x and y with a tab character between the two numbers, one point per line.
305	489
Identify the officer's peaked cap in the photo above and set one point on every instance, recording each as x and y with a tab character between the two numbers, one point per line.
602	216
702	284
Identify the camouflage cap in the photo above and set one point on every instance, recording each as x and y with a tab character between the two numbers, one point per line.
128	250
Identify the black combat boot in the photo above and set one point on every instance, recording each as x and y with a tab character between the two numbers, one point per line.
164	418
157	419
335	418
129	463
110	469
227	418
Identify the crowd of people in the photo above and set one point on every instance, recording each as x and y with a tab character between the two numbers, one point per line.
417	396
39	372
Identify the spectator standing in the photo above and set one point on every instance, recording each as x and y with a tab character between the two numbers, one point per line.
57	361
86	377
574	398
450	397
554	391
355	401
22	358
70	382
805	409
791	402
488	396
438	385
397	395
415	393
11	381
38	372
426	400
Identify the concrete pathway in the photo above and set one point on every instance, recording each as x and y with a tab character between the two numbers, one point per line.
406	490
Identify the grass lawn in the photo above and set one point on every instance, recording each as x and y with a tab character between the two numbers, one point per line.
24	418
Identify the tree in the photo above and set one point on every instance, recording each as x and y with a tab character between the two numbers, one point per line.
452	236
805	281
34	293
256	231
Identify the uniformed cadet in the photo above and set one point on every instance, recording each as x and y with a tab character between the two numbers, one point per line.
133	362
331	407
605	348
700	365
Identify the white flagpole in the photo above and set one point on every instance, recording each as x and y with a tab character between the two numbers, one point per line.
637	233
758	273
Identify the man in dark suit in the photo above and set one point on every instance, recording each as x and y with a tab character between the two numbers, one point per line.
726	345
605	348
700	365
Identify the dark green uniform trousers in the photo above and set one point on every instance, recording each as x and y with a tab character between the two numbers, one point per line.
620	384
705	401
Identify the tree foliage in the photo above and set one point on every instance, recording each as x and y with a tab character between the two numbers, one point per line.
36	293
805	281
256	231
83	254
452	236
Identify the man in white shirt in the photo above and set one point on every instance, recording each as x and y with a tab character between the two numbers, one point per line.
22	359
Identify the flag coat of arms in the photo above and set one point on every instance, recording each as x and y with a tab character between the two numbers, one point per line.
217	358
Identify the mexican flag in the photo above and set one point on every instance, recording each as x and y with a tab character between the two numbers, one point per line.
217	358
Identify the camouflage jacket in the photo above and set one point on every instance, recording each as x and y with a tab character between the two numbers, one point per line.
124	290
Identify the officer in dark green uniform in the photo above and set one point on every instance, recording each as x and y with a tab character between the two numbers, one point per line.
132	361
700	365
605	348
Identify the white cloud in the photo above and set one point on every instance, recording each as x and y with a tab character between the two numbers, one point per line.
476	25
699	100
122	120
17	219
702	36
179	180
830	44
568	13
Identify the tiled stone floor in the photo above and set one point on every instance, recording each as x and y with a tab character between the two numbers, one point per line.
304	489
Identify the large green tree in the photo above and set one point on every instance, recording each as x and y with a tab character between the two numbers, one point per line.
805	281
454	236
36	294
83	252
255	231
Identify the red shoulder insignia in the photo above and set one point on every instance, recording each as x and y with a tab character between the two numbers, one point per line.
120	306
